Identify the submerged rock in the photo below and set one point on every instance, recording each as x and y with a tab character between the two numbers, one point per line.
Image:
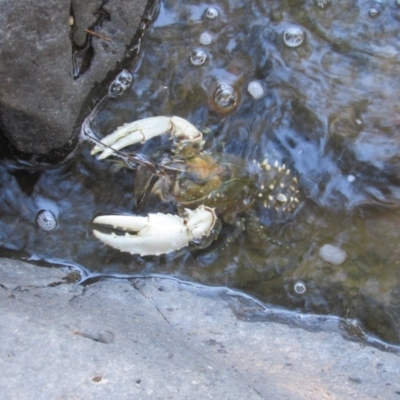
332	254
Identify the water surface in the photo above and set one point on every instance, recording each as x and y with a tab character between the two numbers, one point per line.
329	111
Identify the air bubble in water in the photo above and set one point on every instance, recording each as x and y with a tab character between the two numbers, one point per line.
376	9
212	13
116	89
46	220
322	3
225	97
373	12
299	287
198	57
256	90
293	36
206	38
120	84
351	178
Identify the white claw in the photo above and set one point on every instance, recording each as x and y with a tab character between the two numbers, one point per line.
124	222
157	233
184	131
145	129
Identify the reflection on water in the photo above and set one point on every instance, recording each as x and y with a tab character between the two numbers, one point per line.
313	84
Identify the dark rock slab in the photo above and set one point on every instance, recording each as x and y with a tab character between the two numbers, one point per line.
39	98
160	338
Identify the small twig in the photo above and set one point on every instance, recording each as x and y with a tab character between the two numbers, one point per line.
98	35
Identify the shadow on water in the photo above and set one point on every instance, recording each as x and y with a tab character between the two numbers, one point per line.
325	104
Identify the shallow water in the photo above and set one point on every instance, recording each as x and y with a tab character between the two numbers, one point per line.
329	111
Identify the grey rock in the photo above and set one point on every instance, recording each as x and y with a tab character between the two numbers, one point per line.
39	99
16	274
160	338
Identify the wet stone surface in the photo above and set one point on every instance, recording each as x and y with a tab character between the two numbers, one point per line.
329	112
39	99
160	338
